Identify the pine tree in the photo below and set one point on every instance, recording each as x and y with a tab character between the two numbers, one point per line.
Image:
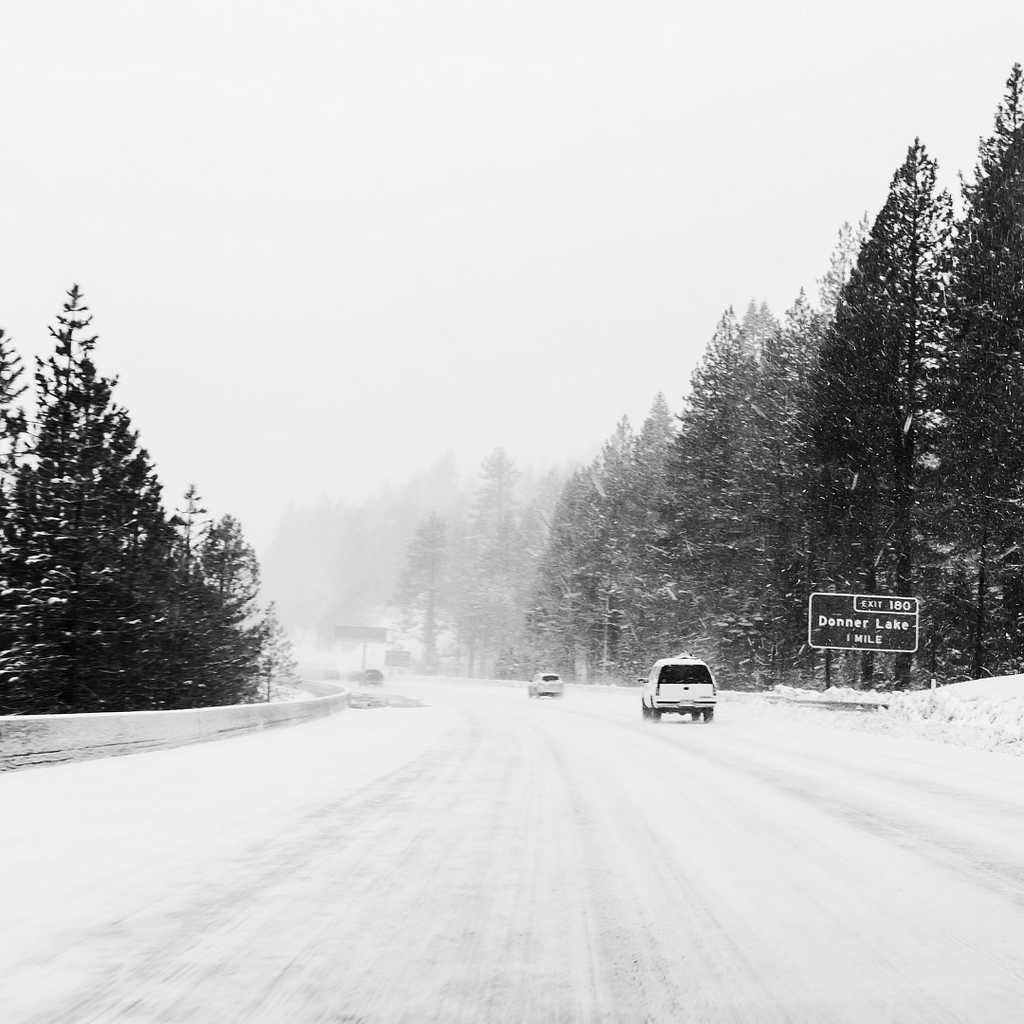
86	554
12	432
12	418
876	398
421	587
650	605
983	456
714	551
488	615
276	661
218	647
230	573
781	463
561	617
841	264
189	639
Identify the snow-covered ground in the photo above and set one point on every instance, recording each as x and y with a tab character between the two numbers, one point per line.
987	714
486	857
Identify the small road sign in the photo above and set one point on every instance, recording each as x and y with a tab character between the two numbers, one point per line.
361	634
862	622
397	659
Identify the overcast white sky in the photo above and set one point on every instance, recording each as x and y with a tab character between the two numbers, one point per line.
326	242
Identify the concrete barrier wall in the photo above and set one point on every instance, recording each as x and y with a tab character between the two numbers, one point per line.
27	740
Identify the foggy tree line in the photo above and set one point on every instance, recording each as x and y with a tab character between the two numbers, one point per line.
468	577
337	564
870	442
106	602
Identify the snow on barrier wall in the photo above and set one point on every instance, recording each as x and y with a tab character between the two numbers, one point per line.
27	740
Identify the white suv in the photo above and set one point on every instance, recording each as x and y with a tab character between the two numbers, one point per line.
546	684
683	686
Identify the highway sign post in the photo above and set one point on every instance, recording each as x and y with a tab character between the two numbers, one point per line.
862	622
362	635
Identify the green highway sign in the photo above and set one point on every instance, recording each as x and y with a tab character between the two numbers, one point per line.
397	659
862	622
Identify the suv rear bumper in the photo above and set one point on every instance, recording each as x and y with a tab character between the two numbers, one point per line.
683	709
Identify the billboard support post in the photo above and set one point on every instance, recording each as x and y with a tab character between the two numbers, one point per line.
362	635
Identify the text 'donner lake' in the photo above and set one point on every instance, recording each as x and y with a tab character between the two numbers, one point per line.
862	622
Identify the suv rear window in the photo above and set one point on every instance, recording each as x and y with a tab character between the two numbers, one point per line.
549	679
684	674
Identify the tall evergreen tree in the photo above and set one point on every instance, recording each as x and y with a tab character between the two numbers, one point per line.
277	665
714	550
12	432
983	458
841	264
493	569
230	572
781	464
421	587
876	397
12	417
218	646
561	617
86	554
651	600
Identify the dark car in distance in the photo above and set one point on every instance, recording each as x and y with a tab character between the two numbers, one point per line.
371	677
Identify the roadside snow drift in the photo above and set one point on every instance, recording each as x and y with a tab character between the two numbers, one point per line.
987	714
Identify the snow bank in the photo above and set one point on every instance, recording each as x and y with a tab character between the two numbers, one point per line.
27	740
987	714
997	687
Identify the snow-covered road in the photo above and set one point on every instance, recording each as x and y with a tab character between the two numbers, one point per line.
490	858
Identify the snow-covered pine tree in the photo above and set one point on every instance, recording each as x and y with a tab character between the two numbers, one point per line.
230	573
12	417
609	585
983	456
488	614
875	392
421	587
841	263
781	462
712	545
560	619
86	553
649	606
277	666
12	433
192	629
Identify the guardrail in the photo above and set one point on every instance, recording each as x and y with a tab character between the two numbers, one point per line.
830	705
30	740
